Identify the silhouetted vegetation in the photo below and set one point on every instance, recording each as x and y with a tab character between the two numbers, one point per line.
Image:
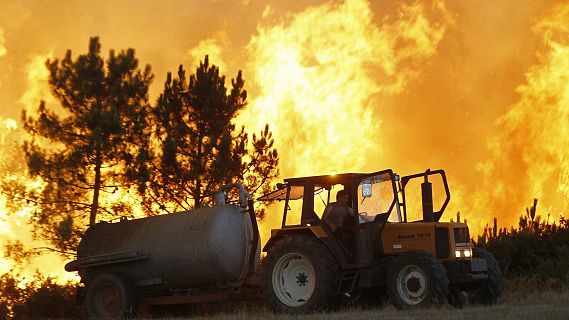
37	297
537	248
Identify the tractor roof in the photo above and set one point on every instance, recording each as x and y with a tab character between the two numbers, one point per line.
324	181
332	179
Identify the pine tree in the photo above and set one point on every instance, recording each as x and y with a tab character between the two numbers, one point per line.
200	146
96	146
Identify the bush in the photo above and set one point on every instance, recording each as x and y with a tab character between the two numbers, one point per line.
37	297
10	294
537	248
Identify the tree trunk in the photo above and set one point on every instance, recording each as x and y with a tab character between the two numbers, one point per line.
197	198
198	191
97	186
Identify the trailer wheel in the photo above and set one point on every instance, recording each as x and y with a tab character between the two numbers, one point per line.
489	291
302	275
416	280
110	296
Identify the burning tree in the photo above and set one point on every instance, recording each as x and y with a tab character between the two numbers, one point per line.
96	145
200	147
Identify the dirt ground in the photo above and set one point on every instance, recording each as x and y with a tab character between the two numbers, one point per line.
537	305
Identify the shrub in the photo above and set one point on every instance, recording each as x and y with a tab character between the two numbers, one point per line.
536	248
37	297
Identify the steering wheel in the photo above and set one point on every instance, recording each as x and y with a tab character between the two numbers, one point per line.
382	217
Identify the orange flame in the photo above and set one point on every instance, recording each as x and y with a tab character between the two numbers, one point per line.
211	47
14	222
317	88
530	157
37	85
2	47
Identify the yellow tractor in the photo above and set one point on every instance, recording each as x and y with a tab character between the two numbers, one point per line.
387	247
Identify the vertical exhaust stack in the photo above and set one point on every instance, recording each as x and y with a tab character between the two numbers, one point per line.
427	198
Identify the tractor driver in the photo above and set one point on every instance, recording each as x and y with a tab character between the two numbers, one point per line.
336	212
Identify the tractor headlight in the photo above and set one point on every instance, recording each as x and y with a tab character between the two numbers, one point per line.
463	253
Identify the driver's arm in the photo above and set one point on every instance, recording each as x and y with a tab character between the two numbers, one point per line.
352	212
326	218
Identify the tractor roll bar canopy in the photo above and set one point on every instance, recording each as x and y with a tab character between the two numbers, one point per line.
306	187
323	181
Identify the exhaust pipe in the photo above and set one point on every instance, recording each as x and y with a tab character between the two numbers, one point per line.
427	198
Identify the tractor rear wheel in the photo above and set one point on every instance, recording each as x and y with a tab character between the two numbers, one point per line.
489	290
416	280
110	296
302	275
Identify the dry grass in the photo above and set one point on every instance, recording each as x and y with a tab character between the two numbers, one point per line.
552	304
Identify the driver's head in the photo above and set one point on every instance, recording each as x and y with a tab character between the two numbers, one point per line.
342	197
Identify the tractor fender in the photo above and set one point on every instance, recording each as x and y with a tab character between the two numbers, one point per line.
318	232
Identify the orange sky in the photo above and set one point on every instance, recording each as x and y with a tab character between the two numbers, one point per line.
479	88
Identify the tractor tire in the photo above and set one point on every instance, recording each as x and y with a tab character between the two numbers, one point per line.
489	290
417	280
301	275
110	296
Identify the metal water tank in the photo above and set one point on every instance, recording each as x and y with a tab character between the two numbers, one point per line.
207	246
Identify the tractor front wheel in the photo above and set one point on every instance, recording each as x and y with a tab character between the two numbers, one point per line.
489	290
416	280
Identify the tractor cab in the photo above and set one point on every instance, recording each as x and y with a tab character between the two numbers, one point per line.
309	196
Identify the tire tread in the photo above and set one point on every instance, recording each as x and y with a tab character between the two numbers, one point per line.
489	292
437	271
325	266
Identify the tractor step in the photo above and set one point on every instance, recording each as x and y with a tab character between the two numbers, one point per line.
348	281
